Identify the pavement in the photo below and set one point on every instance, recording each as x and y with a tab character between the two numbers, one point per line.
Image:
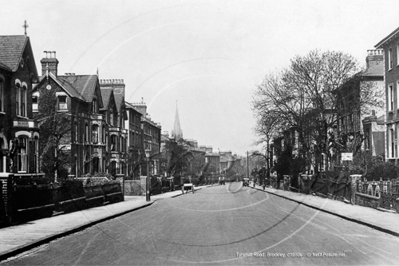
19	238
382	220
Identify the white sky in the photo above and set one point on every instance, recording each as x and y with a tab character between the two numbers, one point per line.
206	55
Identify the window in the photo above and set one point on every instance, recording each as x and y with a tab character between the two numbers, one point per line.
122	168
62	102
111	117
22	155
23	101
2	109
35	101
3	158
103	135
86	133
113	168
20	98
17	98
396	139
105	142
96	165
392	137
397	95
76	133
114	142
94	106
94	132
36	155
397	54
390	97
390	59
87	163
122	145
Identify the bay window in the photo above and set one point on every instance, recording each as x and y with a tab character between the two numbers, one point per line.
2	94
22	154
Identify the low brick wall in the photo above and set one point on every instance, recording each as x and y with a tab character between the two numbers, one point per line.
367	200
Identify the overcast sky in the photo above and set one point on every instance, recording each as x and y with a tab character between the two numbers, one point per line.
208	56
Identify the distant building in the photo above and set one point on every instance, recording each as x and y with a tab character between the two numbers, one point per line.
212	161
177	133
226	161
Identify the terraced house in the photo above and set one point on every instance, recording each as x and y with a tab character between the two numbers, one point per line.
115	114
390	45
19	133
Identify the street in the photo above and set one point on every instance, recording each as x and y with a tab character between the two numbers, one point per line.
220	225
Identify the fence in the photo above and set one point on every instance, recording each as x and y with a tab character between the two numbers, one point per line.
341	186
26	199
377	194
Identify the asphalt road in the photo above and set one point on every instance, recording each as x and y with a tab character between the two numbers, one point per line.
221	225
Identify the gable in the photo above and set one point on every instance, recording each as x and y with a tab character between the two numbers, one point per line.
61	84
15	51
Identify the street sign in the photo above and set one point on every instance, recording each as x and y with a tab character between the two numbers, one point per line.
347	156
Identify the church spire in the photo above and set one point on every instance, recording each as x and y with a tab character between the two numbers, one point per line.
177	133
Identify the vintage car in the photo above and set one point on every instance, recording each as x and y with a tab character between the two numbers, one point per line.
245	182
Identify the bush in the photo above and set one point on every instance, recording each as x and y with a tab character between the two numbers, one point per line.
28	181
384	170
94	180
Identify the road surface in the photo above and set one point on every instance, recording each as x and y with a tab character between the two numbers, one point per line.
221	225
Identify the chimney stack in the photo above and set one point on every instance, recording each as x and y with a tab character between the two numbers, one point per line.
374	57
49	63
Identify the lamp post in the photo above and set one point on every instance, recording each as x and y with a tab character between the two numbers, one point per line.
148	180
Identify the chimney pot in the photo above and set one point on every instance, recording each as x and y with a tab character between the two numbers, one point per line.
49	63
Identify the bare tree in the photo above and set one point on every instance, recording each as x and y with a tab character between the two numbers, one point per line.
55	130
304	96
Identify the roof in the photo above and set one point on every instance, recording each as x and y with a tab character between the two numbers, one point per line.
375	70
149	121
212	154
131	107
85	85
383	41
68	87
119	99
381	119
12	48
106	95
3	66
226	158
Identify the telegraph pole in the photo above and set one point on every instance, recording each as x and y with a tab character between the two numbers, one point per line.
247	166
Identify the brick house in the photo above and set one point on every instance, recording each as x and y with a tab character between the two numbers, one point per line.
134	141
108	112
79	97
151	137
349	132
19	133
117	132
374	134
390	46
